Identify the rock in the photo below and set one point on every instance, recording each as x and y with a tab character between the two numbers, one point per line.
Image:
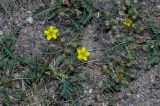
1	32
30	20
158	6
90	90
143	3
29	12
138	95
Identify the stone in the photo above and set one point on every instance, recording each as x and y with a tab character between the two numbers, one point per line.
158	6
1	32
30	20
90	90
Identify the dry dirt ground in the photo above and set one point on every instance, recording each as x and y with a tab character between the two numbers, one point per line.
144	91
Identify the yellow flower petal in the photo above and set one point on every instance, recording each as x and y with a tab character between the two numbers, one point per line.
48	37
51	28
83	49
127	22
78	51
88	53
51	32
85	58
54	36
55	31
46	32
79	57
82	54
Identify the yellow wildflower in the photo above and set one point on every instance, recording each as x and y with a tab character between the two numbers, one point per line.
120	77
127	22
51	33
83	54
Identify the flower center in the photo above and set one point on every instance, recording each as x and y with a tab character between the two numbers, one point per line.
51	32
83	54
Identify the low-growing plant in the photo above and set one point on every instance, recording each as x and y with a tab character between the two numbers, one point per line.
119	61
77	13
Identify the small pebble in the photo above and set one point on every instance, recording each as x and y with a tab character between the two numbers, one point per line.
128	94
130	104
138	95
16	22
30	20
158	6
91	90
107	23
152	79
85	91
1	32
118	2
29	12
121	13
143	3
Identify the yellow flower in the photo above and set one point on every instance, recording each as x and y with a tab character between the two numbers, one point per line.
83	54
120	77
51	33
127	22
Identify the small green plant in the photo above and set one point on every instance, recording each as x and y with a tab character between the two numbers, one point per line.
151	48
119	61
59	66
77	13
154	28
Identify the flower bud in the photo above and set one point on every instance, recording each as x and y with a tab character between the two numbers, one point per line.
74	45
105	68
71	67
62	40
67	51
134	16
129	65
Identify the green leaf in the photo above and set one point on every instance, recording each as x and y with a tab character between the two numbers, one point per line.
64	88
86	17
154	59
61	75
128	3
155	29
125	39
60	59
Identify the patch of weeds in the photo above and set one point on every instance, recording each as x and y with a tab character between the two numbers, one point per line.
137	27
65	70
72	90
122	58
132	10
10	96
8	63
152	49
77	13
58	65
10	73
154	28
119	61
61	65
6	45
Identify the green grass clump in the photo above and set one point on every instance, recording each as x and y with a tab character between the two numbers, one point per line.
77	13
58	66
